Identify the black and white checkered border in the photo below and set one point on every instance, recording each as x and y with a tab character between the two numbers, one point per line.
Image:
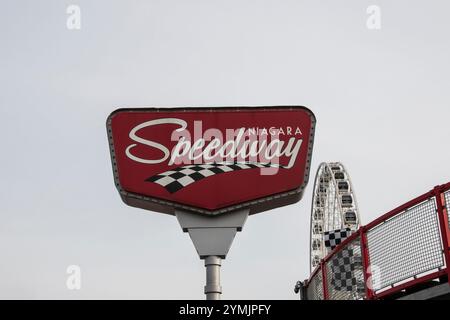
181	177
335	237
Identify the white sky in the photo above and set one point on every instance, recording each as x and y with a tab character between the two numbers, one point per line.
381	99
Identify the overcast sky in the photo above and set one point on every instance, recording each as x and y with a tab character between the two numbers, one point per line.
381	99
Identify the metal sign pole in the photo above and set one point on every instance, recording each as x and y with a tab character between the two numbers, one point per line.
213	290
212	238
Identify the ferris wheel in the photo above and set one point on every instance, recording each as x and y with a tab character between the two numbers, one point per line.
333	207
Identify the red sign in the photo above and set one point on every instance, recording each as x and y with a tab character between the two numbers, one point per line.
211	160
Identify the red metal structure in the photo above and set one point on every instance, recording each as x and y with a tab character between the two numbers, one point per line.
404	248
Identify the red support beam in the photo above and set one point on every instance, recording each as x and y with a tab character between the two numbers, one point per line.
443	223
323	268
366	264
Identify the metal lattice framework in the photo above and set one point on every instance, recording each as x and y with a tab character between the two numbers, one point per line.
406	245
333	207
315	287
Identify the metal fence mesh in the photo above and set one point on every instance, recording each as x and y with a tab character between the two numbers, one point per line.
447	205
406	245
345	278
314	290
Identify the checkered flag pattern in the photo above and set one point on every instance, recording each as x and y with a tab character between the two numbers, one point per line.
343	267
178	178
335	237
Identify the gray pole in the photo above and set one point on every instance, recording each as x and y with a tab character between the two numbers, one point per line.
213	290
212	238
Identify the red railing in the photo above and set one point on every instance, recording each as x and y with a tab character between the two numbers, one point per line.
404	247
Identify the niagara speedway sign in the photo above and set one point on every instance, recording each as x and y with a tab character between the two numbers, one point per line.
211	160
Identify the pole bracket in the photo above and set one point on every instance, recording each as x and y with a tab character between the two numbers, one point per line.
212	238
